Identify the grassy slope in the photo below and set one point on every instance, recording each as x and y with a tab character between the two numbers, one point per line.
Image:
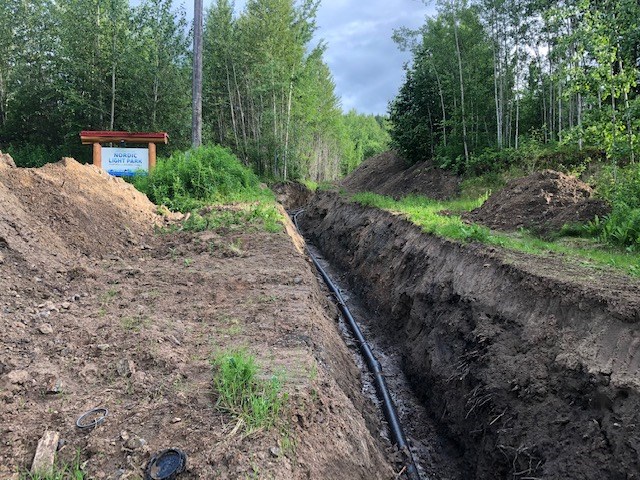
425	213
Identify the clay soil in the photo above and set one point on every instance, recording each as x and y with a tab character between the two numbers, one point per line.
97	309
542	202
389	174
528	364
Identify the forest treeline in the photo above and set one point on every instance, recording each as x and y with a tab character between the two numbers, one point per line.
106	65
496	81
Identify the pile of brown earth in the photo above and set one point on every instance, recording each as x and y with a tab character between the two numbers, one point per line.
98	310
389	174
65	209
542	202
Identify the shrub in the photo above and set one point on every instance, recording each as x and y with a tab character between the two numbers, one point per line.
206	175
621	187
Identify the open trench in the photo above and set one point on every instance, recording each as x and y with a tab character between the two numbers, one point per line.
500	367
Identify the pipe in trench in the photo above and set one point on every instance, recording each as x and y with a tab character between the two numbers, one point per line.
388	407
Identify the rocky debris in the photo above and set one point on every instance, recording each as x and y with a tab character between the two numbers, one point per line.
125	367
45	453
45	329
542	202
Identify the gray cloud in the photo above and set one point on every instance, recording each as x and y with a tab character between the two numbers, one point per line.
366	64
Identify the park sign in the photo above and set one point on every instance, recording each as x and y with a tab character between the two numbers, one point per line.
123	161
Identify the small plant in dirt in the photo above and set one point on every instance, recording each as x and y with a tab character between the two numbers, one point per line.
72	471
134	324
242	392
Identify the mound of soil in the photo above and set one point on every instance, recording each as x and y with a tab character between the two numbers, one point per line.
66	209
292	195
389	174
542	202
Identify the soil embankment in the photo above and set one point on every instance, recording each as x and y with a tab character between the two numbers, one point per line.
389	174
542	202
531	365
98	310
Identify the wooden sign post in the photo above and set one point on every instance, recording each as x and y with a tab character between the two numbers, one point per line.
128	159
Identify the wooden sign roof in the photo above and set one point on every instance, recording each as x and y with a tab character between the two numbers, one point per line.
91	136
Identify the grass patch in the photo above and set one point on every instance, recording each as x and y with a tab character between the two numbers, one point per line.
443	219
72	471
255	401
134	324
198	179
257	216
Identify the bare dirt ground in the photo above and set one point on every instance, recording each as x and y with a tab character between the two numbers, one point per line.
98	310
389	174
543	202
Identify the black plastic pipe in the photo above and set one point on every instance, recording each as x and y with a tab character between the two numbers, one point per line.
388	407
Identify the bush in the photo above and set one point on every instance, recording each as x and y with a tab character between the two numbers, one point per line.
206	175
621	187
31	156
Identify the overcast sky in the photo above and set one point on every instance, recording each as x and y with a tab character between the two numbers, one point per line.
366	65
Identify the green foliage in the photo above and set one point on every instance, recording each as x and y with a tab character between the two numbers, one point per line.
621	187
72	471
207	175
241	392
90	64
442	219
425	212
366	136
258	216
33	155
528	84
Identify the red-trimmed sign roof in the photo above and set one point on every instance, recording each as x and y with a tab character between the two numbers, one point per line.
91	136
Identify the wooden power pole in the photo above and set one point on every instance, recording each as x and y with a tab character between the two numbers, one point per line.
196	123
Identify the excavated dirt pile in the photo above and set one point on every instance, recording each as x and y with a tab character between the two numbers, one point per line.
543	202
530	365
97	310
67	209
389	174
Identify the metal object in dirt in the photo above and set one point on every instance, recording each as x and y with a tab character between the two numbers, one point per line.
166	465
92	418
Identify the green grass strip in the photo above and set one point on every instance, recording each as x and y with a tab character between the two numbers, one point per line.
428	214
243	393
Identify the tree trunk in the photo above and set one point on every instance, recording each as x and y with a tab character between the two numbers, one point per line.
464	123
196	118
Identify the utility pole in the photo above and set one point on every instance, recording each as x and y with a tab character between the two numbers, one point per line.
196	123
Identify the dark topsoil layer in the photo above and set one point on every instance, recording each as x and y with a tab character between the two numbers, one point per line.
530	364
389	174
292	195
543	202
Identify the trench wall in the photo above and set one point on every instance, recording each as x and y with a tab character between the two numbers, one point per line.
533	374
